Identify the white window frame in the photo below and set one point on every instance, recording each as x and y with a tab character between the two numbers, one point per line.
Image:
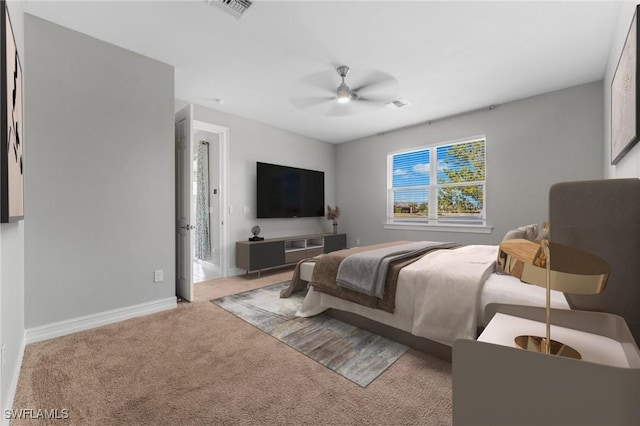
432	222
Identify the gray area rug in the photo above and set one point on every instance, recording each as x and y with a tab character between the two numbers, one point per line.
356	354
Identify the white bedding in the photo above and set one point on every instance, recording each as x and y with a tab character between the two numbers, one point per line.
496	289
447	288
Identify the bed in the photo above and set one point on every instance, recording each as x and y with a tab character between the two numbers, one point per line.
607	226
445	325
496	289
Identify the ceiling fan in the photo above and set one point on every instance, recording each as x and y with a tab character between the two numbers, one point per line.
318	92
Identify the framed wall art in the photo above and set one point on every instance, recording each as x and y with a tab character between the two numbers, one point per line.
625	121
11	140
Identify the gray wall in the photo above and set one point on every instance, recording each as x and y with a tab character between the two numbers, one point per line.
99	176
629	165
531	144
251	141
12	262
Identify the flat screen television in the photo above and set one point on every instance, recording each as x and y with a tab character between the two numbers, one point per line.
289	192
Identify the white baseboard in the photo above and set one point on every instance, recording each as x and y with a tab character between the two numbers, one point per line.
73	325
210	266
14	382
232	272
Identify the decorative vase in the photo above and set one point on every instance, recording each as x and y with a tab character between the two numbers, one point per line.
335	227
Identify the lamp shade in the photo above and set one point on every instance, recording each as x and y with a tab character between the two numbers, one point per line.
571	271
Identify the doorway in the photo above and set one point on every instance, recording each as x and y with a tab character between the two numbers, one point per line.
205	210
200	210
211	142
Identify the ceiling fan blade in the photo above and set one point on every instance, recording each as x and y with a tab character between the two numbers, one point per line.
377	84
374	99
371	86
306	102
321	83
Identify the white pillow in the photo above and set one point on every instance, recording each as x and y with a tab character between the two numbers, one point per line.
528	232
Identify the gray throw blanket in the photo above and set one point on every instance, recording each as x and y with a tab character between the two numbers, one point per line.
366	272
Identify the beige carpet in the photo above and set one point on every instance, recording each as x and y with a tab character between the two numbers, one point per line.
200	365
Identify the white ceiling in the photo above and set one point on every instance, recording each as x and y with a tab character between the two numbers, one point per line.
443	57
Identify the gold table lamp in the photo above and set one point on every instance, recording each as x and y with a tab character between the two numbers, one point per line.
569	270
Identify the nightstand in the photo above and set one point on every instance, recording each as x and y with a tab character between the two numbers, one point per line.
498	384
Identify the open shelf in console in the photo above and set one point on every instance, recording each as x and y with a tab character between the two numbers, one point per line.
315	242
302	248
303	244
294	245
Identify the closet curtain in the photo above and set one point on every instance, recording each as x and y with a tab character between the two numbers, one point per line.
203	238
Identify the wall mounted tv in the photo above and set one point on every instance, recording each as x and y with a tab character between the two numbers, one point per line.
289	192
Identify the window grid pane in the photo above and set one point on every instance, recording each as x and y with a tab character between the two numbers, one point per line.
460	201
462	162
410	204
411	169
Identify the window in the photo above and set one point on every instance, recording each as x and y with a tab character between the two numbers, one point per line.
438	185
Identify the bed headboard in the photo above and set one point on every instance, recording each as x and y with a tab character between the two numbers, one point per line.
603	217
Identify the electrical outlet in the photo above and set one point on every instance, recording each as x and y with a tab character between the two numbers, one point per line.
158	275
357	242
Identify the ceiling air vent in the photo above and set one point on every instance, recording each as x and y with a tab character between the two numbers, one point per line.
234	7
398	103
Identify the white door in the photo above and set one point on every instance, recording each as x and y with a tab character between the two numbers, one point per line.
184	233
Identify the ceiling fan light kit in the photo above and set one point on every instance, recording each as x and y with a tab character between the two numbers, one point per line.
343	93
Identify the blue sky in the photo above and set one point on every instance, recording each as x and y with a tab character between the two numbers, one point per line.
412	168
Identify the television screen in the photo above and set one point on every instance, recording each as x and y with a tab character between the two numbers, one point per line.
289	192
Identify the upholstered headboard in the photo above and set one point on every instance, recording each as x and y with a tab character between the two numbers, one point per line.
603	217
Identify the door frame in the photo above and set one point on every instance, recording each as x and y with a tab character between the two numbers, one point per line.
223	177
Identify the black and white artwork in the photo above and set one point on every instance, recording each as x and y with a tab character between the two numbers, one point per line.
11	158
